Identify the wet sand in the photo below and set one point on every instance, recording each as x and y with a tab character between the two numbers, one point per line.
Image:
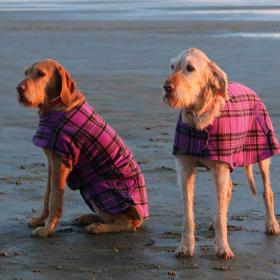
120	67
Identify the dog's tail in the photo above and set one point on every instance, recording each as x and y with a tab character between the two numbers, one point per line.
250	179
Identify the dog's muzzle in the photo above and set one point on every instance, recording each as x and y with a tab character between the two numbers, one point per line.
168	93
168	87
21	89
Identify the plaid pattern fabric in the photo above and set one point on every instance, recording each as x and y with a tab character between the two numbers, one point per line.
242	135
103	168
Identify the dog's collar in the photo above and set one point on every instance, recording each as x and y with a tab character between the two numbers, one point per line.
203	113
56	101
209	106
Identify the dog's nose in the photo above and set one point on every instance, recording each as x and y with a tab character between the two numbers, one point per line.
168	87
21	88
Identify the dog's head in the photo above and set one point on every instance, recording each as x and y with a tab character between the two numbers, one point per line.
45	81
194	78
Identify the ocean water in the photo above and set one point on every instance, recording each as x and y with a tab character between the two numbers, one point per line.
149	9
243	13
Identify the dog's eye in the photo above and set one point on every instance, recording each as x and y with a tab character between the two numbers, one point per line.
190	68
26	71
40	73
172	67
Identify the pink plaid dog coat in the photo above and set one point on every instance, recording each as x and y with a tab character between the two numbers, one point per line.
242	135
103	167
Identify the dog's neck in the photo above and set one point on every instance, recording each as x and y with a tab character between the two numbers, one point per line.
205	115
56	104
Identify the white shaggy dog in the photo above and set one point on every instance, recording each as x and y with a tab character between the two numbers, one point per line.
221	126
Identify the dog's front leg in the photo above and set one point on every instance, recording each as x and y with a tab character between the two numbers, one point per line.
40	221
186	177
59	173
222	184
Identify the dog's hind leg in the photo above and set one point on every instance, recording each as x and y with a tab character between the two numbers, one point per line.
99	228
87	219
223	189
272	226
186	179
126	221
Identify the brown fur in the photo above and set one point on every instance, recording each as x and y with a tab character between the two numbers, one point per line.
198	87
45	83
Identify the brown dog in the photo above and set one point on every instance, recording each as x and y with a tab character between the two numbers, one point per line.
116	192
221	126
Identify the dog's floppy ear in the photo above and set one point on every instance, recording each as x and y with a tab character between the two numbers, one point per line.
68	86
218	81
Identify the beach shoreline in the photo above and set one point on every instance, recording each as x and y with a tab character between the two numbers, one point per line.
120	67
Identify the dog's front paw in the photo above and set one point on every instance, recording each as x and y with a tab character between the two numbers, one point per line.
42	232
272	227
184	251
224	253
95	228
36	222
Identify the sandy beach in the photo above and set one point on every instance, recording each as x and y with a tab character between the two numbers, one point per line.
120	67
